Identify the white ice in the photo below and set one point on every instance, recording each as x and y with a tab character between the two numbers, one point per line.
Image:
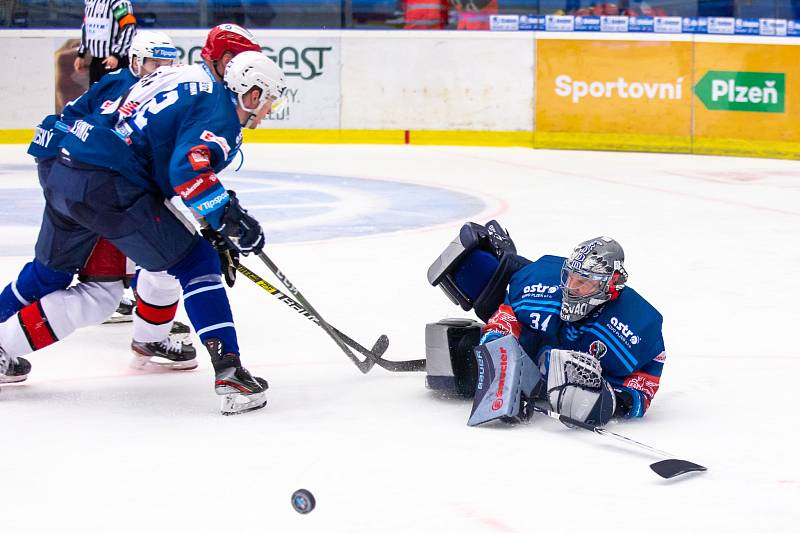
88	445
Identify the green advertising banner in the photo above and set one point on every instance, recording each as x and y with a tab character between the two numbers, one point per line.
760	92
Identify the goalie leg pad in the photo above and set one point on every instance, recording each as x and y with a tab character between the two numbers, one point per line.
506	378
576	388
449	361
466	266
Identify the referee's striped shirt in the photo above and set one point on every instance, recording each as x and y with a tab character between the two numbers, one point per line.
108	27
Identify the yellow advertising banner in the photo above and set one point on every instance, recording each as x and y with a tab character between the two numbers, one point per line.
747	99
613	95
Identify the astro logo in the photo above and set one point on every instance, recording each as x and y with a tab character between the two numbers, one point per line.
539	289
626	332
501	382
598	349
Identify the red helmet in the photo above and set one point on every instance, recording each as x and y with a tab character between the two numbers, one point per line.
228	38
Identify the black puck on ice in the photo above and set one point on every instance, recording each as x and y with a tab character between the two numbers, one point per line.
303	501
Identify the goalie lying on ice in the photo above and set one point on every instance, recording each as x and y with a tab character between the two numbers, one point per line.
566	330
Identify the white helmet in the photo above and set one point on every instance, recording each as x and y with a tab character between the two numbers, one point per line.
153	44
254	69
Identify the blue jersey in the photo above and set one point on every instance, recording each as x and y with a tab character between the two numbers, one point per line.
624	334
50	132
173	143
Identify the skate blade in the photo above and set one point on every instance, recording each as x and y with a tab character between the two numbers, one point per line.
117	318
12	379
236	404
145	363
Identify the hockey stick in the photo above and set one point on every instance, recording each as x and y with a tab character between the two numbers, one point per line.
415	365
667	468
363	366
377	350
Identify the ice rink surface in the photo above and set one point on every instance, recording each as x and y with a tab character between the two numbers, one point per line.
89	445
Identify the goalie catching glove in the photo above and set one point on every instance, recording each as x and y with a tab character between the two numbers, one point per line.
576	388
240	231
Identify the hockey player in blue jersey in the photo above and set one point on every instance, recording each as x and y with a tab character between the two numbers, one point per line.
149	51
113	176
155	344
564	329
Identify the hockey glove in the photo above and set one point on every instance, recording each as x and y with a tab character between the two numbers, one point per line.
576	388
228	257
241	231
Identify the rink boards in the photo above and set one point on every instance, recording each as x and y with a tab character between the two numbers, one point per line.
665	93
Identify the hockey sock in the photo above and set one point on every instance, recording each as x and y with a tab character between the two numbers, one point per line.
204	296
56	315
34	281
157	295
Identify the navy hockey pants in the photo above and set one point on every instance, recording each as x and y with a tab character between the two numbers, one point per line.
84	202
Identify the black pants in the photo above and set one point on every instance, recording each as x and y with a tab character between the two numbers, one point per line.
97	69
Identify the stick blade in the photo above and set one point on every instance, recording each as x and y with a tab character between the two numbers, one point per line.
380	346
670	468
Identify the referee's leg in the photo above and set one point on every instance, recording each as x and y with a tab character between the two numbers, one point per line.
96	70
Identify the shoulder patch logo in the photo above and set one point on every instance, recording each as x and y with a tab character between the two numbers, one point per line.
219	141
598	349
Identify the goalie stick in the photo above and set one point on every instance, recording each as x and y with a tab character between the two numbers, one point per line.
667	468
374	354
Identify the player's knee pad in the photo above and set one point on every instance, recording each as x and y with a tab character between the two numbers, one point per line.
507	378
157	285
106	263
84	304
450	363
202	260
474	269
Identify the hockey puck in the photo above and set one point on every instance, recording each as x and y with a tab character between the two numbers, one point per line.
303	501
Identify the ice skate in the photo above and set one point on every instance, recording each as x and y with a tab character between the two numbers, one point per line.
240	391
180	332
13	369
169	354
124	312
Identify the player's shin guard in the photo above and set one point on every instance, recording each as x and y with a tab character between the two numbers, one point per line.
157	295
204	296
507	380
58	314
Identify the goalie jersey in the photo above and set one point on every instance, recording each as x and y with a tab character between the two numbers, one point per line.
624	334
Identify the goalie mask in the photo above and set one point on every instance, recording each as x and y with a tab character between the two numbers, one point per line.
591	276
